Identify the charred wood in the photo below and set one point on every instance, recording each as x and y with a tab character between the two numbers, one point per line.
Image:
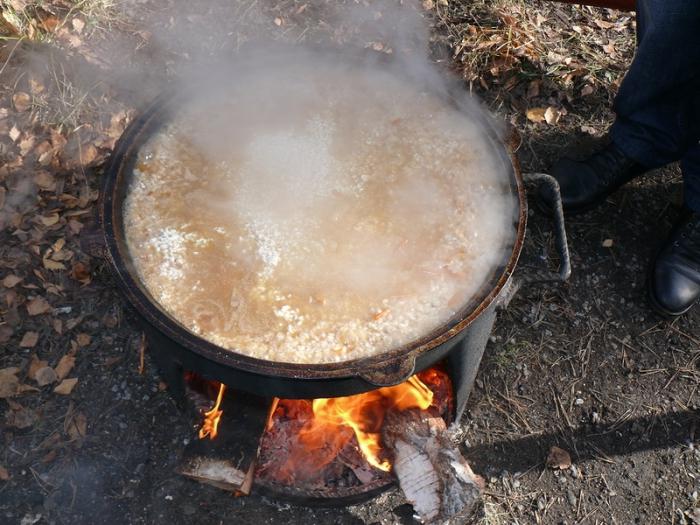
228	461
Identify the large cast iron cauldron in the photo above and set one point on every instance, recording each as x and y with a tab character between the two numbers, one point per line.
287	380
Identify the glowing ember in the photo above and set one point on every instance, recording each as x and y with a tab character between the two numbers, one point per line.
210	425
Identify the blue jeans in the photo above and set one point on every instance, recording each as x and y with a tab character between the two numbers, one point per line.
658	104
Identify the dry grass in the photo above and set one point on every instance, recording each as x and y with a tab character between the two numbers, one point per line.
503	43
68	102
514	55
40	20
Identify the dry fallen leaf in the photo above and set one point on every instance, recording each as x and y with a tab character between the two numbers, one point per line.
4	474
21	101
14	133
278	21
20	417
75	425
587	90
73	40
5	333
50	23
73	322
533	89
83	339
9	383
75	226
38	306
558	458
49	220
64	366
29	340
80	272
58	245
45	376
26	145
536	114
49	457
603	24
10	281
35	364
88	154
52	265
36	86
607	243
609	48
45	180
78	25
66	386
552	115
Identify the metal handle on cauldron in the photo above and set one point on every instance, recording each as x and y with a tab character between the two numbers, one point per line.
559	231
543	276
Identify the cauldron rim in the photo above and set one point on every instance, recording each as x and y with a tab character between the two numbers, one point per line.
387	368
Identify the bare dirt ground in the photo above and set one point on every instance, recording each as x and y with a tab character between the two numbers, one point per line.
586	366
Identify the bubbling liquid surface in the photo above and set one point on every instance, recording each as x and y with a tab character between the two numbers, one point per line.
336	216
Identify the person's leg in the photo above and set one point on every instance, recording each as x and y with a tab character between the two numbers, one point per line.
657	104
690	166
674	284
657	108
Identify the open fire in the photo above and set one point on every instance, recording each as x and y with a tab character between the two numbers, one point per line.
210	426
332	441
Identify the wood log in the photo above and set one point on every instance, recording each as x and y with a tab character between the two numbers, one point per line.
431	471
228	461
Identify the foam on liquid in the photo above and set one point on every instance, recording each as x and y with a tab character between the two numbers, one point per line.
333	215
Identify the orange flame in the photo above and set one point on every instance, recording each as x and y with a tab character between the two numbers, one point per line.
210	426
336	420
352	412
271	413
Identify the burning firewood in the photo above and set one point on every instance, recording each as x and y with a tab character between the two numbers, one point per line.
228	461
432	473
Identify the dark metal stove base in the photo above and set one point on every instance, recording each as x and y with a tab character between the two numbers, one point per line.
463	361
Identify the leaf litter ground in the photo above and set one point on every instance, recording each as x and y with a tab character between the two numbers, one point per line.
586	404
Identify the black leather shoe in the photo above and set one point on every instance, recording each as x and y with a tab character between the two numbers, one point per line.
587	183
674	283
